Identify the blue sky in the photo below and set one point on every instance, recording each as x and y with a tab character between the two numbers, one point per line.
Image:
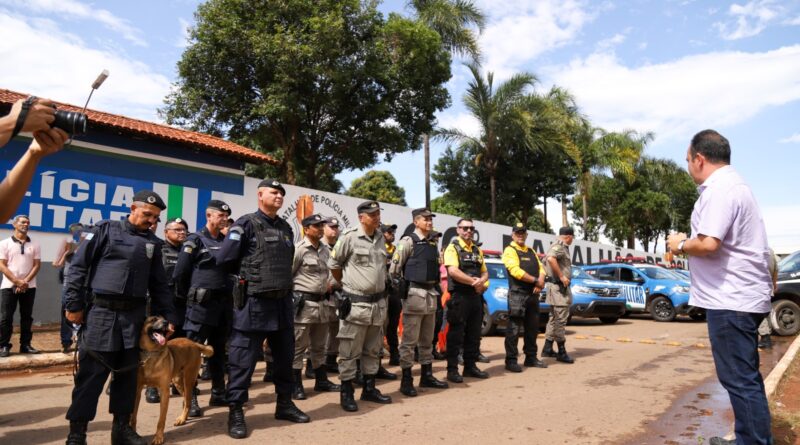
670	67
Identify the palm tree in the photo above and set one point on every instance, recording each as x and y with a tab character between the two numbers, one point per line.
503	118
453	20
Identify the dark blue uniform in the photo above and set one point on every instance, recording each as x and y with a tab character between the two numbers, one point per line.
121	265
208	290
169	257
268	311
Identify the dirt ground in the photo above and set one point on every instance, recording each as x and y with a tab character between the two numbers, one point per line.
626	377
785	408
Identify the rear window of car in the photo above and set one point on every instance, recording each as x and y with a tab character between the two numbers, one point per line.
658	273
497	271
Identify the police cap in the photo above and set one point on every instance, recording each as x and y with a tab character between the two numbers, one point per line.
369	207
272	183
178	221
332	221
313	220
216	204
567	230
149	197
388	227
424	211
518	227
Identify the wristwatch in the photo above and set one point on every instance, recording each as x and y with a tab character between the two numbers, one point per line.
680	246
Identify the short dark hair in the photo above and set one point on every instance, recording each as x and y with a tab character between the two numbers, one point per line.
712	145
462	220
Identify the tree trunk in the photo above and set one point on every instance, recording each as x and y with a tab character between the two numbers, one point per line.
585	202
493	192
426	148
544	200
631	241
564	222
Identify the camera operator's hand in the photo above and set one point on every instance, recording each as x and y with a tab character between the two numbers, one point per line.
47	142
40	115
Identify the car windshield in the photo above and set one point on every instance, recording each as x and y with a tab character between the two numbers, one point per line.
790	264
579	273
497	271
658	273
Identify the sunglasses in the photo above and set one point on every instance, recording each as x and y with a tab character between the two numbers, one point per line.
467	228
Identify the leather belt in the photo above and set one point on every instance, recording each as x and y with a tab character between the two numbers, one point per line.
311	297
118	304
374	298
271	294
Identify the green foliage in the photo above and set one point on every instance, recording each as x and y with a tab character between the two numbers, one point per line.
452	20
378	185
322	85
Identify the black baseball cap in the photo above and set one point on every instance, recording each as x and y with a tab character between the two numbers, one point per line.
567	230
313	220
221	206
423	211
518	227
388	227
272	183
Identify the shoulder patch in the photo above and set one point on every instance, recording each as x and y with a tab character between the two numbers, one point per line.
187	248
350	230
189	243
89	236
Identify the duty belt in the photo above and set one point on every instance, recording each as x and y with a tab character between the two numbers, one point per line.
374	298
424	285
311	297
271	294
118	304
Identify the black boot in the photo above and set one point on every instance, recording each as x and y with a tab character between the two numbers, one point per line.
470	370
268	374
151	395
298	392
547	351
218	397
765	343
562	354
346	398
285	409
359	380
454	376
533	362
77	432
427	380
372	394
237	429
513	366
309	369
407	383
438	355
194	407
122	433
383	374
331	365
322	384
205	374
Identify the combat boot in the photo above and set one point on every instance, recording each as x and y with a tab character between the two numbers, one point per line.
513	367
427	380
237	428
122	433
285	409
383	374
454	376
194	407
765	343
322	384
330	364
346	398
77	433
562	354
533	362
309	369
269	373
218	397
372	394
547	350
471	370
151	395
298	392
205	374
407	383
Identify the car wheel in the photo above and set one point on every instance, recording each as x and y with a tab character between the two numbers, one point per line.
662	309
785	317
608	320
487	324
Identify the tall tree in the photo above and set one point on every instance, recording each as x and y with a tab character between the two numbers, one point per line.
378	185
323	85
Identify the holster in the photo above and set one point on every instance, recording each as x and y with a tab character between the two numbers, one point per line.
239	293
198	295
299	303
401	288
344	308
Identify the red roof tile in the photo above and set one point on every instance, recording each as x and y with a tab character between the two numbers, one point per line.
159	131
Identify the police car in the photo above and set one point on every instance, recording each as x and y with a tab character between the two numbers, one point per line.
785	315
495	306
666	293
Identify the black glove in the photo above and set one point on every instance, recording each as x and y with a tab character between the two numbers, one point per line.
344	308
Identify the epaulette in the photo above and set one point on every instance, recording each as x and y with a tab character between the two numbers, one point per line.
350	230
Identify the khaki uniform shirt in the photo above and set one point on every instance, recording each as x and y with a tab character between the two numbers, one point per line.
557	294
362	261
310	267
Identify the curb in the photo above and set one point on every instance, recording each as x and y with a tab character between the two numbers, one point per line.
20	362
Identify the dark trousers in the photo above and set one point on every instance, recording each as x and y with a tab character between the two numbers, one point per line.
8	305
66	328
245	350
217	337
530	323
91	378
734	345
395	307
180	317
464	314
438	321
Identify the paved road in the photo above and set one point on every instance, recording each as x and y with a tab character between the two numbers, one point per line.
625	376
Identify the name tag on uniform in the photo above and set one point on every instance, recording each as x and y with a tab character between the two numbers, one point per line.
270	239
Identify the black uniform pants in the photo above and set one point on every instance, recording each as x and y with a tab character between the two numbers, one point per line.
530	323
91	378
245	350
395	307
8	305
439	321
464	314
217	337
180	317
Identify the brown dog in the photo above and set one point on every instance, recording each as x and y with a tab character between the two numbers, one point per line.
176	361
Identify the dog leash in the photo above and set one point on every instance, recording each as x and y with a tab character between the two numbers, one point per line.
100	359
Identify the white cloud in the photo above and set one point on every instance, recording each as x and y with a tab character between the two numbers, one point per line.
183	40
793	139
73	8
678	97
748	19
610	42
793	22
462	121
50	63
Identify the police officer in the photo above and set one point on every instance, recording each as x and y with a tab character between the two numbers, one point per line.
415	273
120	261
312	285
559	295
525	281
467	279
394	303
330	234
262	244
174	236
358	261
208	291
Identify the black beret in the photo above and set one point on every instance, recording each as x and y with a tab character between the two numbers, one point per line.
216	204
566	231
178	221
273	183
312	220
424	211
388	227
149	197
518	227
369	207
332	221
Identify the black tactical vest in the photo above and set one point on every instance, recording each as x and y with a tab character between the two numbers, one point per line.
169	257
124	267
423	265
269	266
469	262
205	272
528	263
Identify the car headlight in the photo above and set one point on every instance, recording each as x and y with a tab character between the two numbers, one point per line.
582	290
501	293
680	289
